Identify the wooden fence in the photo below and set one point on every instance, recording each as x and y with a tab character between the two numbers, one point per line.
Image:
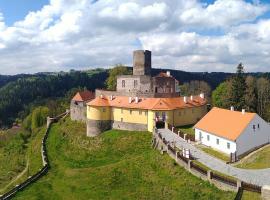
251	187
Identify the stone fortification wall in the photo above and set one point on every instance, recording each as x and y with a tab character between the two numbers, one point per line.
77	111
129	126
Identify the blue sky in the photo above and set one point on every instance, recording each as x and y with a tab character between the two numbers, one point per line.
15	10
190	35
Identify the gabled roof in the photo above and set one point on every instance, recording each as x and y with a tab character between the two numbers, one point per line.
225	123
148	103
84	96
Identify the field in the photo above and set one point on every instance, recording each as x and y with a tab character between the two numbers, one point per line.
257	160
12	156
115	165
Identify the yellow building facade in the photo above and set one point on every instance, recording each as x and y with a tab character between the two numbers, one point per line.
145	114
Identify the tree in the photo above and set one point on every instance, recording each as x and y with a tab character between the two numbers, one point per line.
238	88
39	116
251	94
263	88
221	95
113	73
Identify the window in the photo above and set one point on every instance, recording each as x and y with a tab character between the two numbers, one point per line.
130	112
254	127
157	114
103	109
135	83
217	141
179	113
258	126
121	119
140	112
123	83
122	111
208	137
228	145
192	110
145	112
184	112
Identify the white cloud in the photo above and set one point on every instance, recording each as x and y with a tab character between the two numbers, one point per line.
78	34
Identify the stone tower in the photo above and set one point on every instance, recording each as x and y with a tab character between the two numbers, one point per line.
142	62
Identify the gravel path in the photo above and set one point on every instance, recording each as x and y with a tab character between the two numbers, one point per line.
254	176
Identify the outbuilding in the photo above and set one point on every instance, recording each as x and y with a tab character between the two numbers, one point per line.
232	132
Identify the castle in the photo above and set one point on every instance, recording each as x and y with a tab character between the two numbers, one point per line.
142	102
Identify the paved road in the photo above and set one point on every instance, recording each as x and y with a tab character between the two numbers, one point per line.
258	177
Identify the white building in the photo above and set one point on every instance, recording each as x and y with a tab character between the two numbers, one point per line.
231	131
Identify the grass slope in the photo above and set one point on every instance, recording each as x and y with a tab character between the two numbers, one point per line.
258	160
115	165
12	156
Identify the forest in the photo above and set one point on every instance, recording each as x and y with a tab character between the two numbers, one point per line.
21	94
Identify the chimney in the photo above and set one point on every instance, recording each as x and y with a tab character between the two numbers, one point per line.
185	99
191	98
168	73
202	95
136	99
243	111
129	99
232	108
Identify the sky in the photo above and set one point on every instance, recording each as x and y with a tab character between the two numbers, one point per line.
189	35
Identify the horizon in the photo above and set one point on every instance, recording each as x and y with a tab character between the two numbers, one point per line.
193	36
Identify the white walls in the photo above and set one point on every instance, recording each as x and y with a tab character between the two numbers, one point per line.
210	140
251	138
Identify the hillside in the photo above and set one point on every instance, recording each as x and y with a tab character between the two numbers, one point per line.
116	165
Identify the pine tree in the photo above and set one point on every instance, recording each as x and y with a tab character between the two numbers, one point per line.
238	89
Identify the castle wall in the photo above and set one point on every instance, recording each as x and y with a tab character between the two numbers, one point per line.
98	113
130	116
95	127
129	126
77	111
188	116
134	84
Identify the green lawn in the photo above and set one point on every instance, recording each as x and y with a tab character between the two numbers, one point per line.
115	165
258	160
188	129
215	153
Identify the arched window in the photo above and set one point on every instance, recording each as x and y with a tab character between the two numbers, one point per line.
123	83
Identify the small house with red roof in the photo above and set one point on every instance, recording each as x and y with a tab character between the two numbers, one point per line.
78	105
232	132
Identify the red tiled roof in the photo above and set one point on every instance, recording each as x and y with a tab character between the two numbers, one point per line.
148	103
225	123
84	96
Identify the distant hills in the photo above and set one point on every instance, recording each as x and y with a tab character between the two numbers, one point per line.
18	91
